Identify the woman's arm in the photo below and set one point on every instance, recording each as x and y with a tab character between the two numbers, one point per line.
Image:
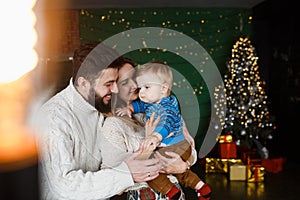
118	143
188	136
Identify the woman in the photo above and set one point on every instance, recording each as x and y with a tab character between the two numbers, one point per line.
121	136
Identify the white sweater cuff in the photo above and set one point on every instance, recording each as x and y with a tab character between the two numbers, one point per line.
125	174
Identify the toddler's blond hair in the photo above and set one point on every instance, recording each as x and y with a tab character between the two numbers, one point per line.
162	71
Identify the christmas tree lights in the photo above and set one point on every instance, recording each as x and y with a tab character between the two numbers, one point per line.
247	116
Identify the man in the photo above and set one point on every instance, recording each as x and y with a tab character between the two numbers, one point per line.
69	124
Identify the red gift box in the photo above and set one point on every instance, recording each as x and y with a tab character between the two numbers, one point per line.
251	157
273	165
227	150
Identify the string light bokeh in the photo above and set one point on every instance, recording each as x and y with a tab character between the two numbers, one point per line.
215	29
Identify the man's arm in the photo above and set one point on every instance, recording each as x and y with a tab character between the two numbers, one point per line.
62	176
143	170
68	170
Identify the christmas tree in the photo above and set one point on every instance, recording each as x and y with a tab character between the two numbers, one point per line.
247	116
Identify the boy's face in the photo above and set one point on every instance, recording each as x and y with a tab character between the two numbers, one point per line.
151	88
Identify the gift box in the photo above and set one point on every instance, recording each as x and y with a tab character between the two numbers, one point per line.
218	165
237	172
255	173
251	158
227	148
225	138
273	165
247	154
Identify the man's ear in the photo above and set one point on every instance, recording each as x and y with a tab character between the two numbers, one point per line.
82	82
83	86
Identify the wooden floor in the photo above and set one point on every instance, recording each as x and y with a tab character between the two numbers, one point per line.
284	185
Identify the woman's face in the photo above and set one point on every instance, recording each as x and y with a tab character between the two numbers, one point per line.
126	85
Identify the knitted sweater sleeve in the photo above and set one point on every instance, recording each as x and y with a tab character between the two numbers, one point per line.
64	176
114	143
138	106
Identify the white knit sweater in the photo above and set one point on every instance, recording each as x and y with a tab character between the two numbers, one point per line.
70	156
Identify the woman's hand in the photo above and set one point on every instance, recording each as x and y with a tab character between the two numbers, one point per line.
125	111
188	136
172	165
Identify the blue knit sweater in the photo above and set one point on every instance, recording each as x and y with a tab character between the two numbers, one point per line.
170	118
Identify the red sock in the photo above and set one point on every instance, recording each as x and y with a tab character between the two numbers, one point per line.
204	192
174	190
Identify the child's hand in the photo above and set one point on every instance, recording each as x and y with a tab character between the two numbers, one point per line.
144	153
123	111
151	124
151	142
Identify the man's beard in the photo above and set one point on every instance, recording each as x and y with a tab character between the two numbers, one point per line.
97	101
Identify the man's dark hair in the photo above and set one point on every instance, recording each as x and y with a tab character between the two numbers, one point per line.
90	59
120	61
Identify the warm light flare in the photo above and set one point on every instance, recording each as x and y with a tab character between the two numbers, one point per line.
18	38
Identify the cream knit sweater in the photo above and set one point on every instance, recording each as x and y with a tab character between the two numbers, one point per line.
70	156
119	139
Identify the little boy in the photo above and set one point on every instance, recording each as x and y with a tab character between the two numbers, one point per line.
154	81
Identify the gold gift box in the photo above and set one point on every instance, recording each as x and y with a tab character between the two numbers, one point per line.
255	173
219	165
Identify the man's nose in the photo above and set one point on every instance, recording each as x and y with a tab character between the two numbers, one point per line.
114	88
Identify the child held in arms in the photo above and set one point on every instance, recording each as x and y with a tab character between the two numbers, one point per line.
154	81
